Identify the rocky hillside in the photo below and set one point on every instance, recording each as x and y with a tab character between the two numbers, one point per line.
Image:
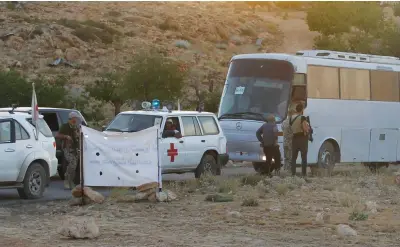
91	38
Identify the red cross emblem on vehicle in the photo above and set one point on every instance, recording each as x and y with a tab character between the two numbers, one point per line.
172	152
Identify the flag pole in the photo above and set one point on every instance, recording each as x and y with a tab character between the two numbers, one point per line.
158	162
81	165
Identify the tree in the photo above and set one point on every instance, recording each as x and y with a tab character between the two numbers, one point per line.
16	89
331	18
359	27
153	76
54	94
110	88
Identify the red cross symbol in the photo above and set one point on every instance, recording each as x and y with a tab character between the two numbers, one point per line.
172	152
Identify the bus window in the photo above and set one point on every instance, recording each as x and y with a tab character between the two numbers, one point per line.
384	86
323	82
256	88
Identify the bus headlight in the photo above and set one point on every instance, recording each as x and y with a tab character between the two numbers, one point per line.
264	158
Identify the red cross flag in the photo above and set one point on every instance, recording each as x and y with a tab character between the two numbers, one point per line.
35	111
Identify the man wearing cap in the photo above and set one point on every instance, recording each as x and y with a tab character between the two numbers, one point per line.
170	130
267	134
69	134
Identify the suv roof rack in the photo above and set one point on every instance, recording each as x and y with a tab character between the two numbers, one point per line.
12	111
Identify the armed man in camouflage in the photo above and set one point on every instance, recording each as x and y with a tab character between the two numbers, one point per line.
287	141
70	135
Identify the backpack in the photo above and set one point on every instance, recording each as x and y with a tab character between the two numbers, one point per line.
291	121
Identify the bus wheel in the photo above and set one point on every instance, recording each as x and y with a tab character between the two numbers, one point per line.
327	157
258	166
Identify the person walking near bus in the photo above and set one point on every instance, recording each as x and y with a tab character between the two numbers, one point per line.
69	133
267	134
287	142
300	129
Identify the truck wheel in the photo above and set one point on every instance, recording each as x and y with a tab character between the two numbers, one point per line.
327	157
208	164
34	182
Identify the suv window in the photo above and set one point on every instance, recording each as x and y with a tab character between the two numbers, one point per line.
191	126
43	127
51	120
133	122
20	132
209	125
64	115
5	132
175	125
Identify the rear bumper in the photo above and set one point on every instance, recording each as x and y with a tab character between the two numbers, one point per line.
223	159
53	167
248	151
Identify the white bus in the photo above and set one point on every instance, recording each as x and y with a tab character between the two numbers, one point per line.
352	101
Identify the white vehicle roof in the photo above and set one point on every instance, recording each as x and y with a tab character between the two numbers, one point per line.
302	59
4	114
166	113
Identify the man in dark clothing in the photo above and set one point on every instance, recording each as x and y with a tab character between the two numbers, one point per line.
267	134
300	129
70	135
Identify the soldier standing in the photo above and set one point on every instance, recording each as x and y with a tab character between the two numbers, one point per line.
287	142
301	131
69	133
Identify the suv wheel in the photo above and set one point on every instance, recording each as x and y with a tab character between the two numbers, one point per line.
208	164
34	182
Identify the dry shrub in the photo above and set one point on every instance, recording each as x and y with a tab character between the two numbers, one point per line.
114	13
229	185
252	179
117	193
207	179
282	189
272	28
169	24
347	199
221	31
358	216
250	202
248	31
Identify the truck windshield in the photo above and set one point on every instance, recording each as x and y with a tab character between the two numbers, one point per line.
256	88
133	122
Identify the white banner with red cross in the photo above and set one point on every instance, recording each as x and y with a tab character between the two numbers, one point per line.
120	159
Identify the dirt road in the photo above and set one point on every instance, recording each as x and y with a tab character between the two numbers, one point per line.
278	211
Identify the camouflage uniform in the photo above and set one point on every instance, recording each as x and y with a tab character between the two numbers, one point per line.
71	153
287	143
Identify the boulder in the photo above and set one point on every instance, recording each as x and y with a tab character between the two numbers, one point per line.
322	218
166	196
345	231
371	206
146	187
72	54
15	42
88	192
80	228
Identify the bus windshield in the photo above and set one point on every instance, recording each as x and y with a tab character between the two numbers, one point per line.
256	88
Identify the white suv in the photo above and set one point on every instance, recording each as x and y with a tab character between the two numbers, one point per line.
25	163
201	148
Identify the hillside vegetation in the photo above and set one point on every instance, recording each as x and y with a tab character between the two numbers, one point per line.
97	38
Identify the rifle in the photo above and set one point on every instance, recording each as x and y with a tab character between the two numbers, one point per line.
310	134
